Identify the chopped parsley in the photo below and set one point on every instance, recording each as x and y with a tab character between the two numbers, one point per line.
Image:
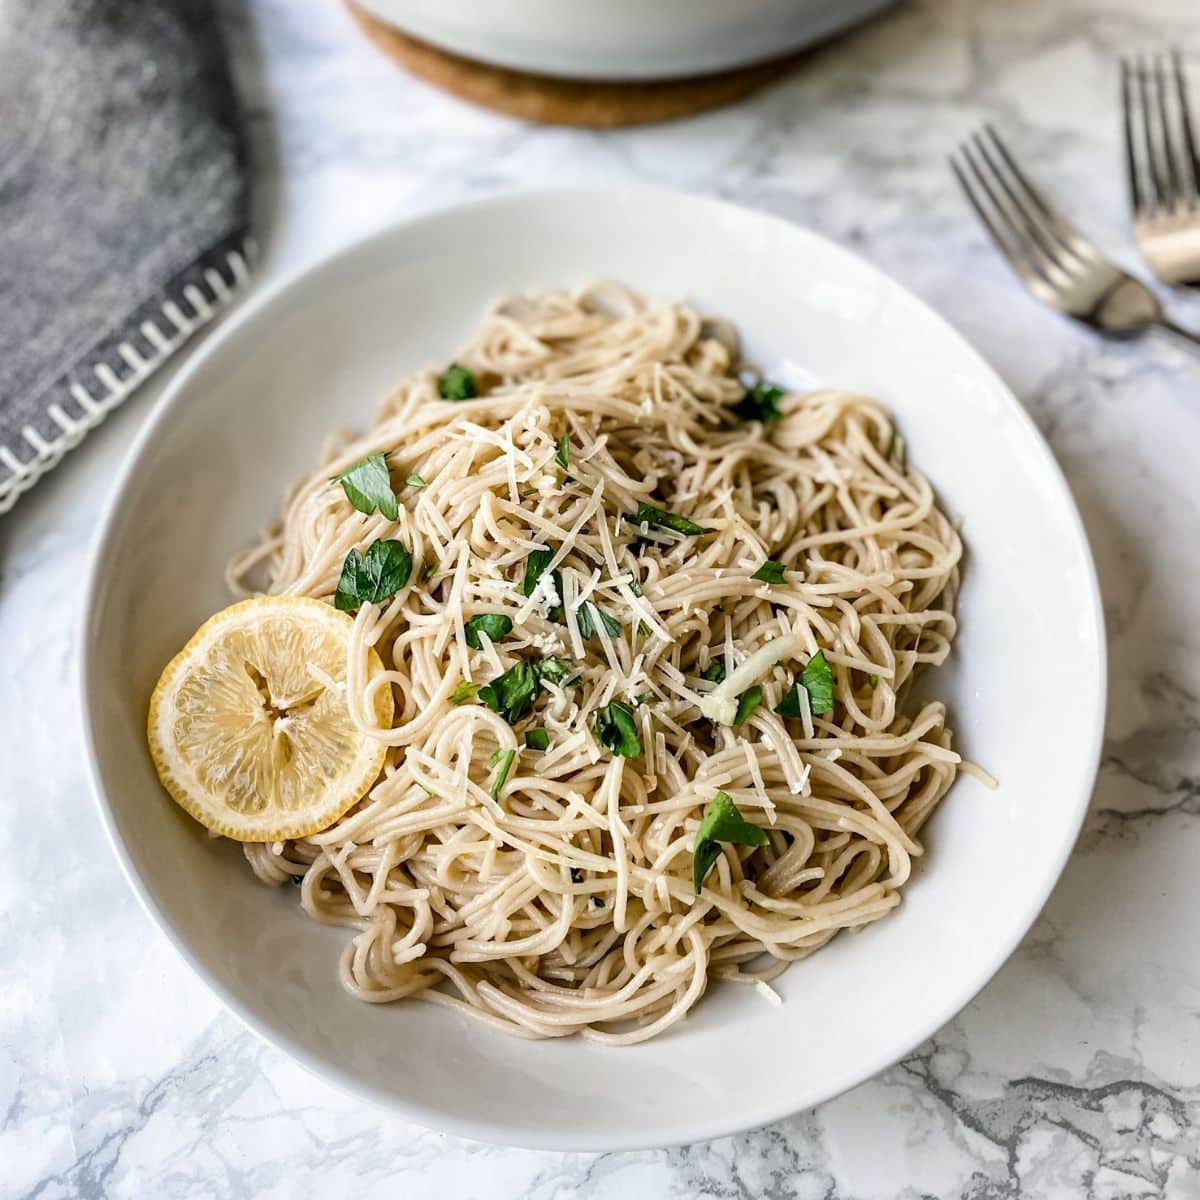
537	739
873	679
502	760
770	572
715	671
721	823
512	693
495	625
373	577
557	670
414	480
584	620
647	514
748	701
817	680
616	729
457	383
643	629
535	568
463	691
760	403
368	486
562	455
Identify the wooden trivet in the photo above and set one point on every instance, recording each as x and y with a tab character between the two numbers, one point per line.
591	105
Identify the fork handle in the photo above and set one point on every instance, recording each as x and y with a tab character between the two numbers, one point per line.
1178	331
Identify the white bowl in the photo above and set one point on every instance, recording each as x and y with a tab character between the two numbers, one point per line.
1025	684
622	39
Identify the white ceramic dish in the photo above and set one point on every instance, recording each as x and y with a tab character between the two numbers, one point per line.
1026	683
622	39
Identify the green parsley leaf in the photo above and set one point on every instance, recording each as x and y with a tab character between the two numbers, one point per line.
535	568
502	760
562	455
457	383
643	629
748	701
760	403
373	577
715	671
770	572
584	619
721	823
463	691
817	679
537	739
556	670
512	694
414	480
428	570
647	514
873	679
636	588
616	729
495	625
368	486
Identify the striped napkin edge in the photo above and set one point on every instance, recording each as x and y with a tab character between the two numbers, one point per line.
86	392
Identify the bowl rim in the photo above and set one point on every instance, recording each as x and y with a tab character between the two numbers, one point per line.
491	1131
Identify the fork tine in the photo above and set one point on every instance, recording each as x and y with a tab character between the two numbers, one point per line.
1150	157
1024	256
1033	212
1169	171
1070	239
1137	195
1190	166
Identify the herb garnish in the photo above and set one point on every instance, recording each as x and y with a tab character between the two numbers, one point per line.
368	486
373	577
535	568
721	823
583	618
464	690
647	514
770	572
502	760
457	383
495	625
873	679
715	671
817	680
643	629
562	455
414	480
748	701
537	739
512	694
616	729
760	403
556	670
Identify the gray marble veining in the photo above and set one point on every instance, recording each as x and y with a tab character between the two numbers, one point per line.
1076	1072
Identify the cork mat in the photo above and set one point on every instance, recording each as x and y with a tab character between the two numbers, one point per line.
591	105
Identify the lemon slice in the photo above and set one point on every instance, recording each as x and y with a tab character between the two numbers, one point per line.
249	728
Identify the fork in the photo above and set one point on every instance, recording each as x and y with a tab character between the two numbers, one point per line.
1162	167
1057	263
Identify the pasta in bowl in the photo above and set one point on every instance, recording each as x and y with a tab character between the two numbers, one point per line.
1022	689
651	672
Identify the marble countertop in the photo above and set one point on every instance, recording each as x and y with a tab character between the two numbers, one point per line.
1076	1072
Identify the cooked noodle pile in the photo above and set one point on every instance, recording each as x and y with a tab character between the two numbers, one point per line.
566	904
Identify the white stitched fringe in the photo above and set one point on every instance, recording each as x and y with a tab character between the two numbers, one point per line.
165	336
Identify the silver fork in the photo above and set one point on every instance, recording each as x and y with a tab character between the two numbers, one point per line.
1162	167
1059	265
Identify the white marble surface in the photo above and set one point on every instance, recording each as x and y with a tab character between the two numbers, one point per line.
1077	1071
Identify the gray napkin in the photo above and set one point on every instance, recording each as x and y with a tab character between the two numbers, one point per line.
123	209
